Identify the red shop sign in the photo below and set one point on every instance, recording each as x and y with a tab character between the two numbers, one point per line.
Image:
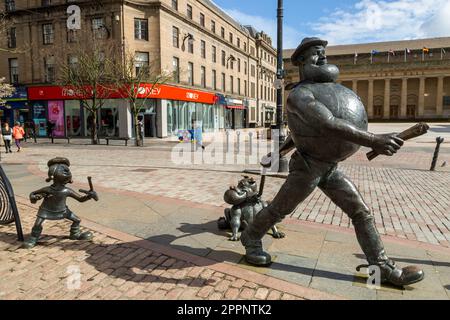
147	90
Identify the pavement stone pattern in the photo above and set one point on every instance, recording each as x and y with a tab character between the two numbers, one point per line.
407	200
108	268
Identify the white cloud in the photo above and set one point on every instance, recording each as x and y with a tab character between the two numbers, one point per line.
291	36
376	20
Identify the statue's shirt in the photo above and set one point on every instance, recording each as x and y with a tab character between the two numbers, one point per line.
306	132
54	205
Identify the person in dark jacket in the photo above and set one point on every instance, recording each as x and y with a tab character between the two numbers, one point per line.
7	136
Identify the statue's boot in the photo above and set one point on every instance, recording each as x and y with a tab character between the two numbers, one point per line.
76	234
32	241
372	246
252	235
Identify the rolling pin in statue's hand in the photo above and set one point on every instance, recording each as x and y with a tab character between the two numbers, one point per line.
413	132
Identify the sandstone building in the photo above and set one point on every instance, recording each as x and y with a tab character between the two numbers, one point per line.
223	71
398	80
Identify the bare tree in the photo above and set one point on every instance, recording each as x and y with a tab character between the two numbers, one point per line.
6	90
135	79
87	74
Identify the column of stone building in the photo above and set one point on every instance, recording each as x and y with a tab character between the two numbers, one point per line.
421	96
387	98
355	86
370	99
440	96
404	103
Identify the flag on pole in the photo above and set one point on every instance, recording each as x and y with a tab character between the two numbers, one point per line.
407	51
389	53
355	58
442	53
425	50
372	53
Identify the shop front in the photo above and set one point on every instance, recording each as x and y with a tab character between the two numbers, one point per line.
16	108
164	111
237	113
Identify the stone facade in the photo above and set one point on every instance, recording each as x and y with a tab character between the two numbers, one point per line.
202	28
402	80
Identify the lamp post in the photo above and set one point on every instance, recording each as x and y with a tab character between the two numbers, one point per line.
283	162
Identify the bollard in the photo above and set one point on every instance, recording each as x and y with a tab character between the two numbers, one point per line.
439	140
238	147
227	146
250	138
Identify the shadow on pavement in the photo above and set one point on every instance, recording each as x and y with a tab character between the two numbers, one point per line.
415	261
121	261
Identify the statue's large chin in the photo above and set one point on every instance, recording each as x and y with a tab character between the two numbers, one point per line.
321	73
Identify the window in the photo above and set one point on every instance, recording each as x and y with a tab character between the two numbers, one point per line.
14	71
223	58
203	77
231	37
73	62
190	73
245	67
245	46
140	29
99	28
213	26
239	64
190	46
203	49
238	42
12	43
253	70
214	80
176	37
49	65
202	19
253	93
189	11
10	5
175	4
72	36
176	69
239	86
245	87
222	32
232	63
224	86
231	84
45	3
141	62
214	54
48	34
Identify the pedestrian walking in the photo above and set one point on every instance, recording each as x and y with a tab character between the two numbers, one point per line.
18	134
7	136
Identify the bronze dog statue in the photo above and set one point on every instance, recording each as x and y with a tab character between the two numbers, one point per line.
246	204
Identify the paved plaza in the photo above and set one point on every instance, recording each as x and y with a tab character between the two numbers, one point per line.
151	207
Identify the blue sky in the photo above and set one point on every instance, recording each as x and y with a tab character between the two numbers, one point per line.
346	21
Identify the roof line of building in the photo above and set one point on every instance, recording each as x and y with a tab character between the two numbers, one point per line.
400	45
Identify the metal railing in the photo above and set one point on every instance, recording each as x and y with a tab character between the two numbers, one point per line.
8	206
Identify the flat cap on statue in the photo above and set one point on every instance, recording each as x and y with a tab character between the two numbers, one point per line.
58	160
305	44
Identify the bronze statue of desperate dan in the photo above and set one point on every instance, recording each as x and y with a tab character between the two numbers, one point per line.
328	124
54	206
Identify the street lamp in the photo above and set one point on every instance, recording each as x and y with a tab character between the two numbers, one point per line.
283	162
